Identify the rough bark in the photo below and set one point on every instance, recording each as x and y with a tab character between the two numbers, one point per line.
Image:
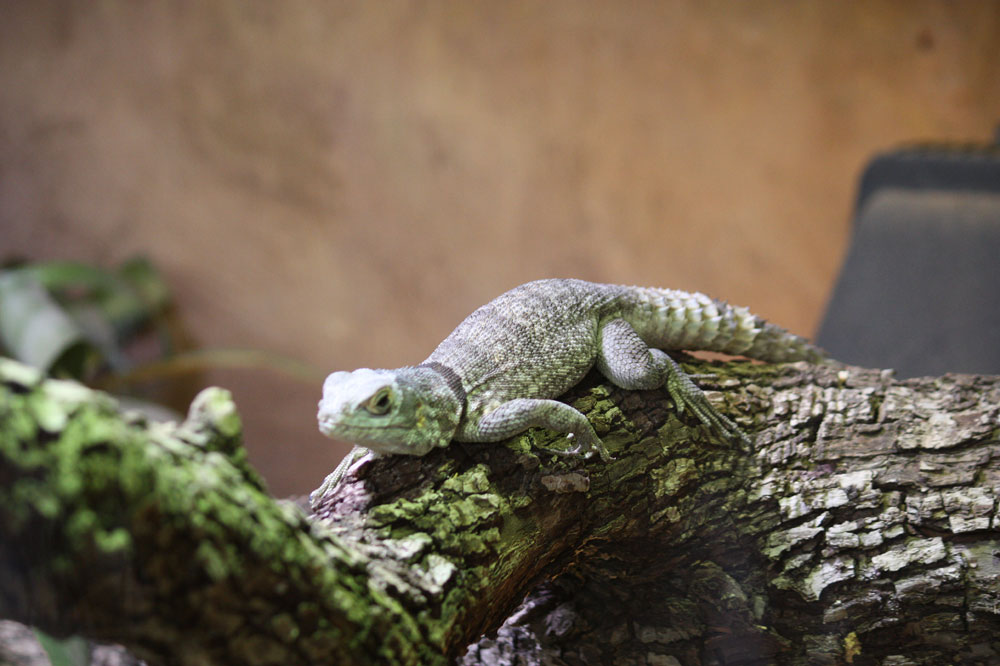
860	529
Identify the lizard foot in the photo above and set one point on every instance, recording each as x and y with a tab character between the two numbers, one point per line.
686	395
333	479
585	448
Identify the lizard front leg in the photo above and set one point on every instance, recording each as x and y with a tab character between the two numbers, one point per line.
515	416
334	477
626	360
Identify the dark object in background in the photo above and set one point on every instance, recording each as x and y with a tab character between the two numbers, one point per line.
920	288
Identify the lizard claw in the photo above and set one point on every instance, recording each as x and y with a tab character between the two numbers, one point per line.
584	449
565	453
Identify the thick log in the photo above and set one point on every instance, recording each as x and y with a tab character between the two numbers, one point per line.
861	528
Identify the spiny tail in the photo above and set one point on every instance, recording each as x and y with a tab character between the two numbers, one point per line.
671	319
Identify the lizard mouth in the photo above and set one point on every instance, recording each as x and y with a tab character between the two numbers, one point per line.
388	439
364	434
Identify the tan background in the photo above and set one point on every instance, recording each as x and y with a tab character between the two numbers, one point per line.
343	182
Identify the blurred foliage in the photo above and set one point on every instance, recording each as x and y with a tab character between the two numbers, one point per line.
74	320
91	324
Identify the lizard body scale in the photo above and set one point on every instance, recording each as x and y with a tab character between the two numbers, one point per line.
497	373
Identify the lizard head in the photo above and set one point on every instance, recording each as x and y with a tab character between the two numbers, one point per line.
387	411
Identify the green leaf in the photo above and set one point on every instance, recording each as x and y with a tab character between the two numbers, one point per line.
99	332
72	651
66	317
140	273
128	298
36	330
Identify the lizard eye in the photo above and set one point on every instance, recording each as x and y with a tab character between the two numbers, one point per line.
379	403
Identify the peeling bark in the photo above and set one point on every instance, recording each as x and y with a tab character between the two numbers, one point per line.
861	529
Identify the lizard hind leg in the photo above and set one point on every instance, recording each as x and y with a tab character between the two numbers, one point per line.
626	360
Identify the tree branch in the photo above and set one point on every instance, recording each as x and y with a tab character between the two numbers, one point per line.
863	519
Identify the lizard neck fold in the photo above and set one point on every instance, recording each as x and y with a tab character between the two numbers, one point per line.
433	402
450	377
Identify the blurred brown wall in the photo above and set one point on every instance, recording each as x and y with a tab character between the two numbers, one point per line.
343	182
